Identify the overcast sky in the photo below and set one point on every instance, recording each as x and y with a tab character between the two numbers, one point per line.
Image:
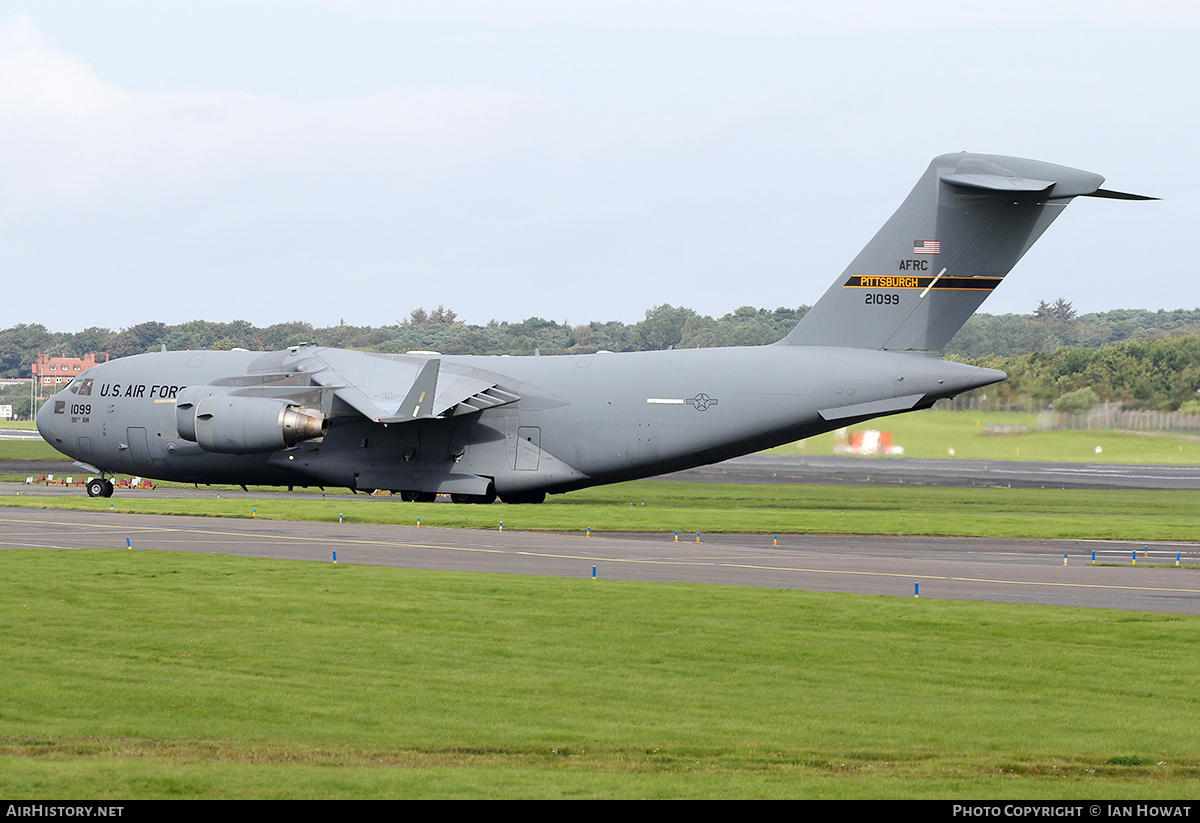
327	161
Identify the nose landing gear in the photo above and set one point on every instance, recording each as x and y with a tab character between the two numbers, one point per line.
99	487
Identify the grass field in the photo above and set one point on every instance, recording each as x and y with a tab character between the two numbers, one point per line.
931	434
29	450
155	674
661	506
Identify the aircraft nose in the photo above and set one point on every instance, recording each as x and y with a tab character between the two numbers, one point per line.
45	418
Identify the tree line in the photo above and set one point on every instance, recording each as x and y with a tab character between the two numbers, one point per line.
1148	374
437	330
1004	335
1141	359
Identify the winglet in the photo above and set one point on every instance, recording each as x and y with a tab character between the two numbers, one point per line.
419	400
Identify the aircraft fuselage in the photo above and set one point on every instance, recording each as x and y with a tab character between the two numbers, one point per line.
607	417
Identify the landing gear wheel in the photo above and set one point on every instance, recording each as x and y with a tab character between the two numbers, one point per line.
410	496
96	488
108	488
489	497
523	497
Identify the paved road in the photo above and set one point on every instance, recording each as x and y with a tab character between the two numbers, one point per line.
19	434
1006	571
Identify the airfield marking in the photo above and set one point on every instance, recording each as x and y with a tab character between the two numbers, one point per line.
252	537
969	579
256	537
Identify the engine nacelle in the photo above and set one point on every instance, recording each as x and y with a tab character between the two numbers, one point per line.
185	408
231	424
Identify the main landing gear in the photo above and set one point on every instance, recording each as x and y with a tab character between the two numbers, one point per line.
523	497
410	496
489	497
99	487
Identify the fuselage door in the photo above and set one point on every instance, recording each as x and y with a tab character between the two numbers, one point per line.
139	446
529	448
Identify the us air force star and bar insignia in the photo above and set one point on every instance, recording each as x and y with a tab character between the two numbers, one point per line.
700	402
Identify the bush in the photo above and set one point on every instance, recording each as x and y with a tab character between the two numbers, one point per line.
1076	402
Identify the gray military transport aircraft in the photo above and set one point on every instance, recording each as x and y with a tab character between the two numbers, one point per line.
476	428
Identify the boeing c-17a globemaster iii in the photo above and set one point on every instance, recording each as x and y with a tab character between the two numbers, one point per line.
476	428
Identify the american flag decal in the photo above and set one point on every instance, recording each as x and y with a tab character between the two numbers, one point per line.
927	247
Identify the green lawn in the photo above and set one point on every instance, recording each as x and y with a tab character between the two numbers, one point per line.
931	434
26	449
155	674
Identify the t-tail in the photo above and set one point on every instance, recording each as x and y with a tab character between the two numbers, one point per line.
966	224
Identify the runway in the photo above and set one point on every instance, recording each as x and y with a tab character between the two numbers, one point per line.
886	471
19	434
868	471
1004	571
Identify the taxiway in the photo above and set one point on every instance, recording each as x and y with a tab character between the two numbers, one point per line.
1006	571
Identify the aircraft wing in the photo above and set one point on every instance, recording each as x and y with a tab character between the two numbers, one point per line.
289	396
397	389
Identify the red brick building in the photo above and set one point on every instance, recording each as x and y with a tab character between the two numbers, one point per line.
48	371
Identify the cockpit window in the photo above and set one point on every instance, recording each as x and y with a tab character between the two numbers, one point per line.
83	387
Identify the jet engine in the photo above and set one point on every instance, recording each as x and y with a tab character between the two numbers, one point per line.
231	424
185	408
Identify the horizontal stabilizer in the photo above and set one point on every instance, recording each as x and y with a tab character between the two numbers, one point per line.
996	182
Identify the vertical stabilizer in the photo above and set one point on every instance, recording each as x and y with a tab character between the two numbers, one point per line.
966	224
